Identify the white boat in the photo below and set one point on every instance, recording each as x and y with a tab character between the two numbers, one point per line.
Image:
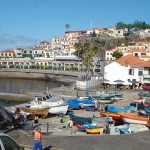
55	103
133	118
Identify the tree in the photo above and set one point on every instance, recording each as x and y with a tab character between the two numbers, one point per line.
121	25
93	34
117	54
67	26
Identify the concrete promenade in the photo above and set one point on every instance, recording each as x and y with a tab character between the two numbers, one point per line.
40	71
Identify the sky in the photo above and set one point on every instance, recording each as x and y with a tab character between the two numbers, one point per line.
27	22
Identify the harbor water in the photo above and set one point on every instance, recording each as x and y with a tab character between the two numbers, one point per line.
16	85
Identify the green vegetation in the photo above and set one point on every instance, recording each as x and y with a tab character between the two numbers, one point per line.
136	25
117	54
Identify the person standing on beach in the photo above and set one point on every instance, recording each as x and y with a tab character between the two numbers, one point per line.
37	139
16	118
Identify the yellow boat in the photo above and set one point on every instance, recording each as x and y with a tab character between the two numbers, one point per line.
105	101
93	131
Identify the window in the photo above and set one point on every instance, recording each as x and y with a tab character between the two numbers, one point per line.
44	98
140	73
9	144
47	96
131	71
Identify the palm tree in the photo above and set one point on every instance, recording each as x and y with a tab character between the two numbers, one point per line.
67	26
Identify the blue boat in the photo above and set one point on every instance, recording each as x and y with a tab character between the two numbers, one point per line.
78	103
114	109
80	120
69	112
144	95
88	108
74	104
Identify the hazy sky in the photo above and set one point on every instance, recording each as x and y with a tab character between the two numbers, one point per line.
26	22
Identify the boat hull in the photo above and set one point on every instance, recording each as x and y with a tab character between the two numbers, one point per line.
41	112
105	101
132	118
60	109
93	131
115	116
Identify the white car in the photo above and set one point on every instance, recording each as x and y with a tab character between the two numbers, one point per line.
8	143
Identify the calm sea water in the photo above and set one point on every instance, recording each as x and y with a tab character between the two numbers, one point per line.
15	85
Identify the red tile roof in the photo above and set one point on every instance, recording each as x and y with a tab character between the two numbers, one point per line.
130	60
100	29
8	51
147	63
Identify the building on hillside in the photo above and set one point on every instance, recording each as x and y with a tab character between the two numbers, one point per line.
45	45
7	54
146	74
147	32
19	52
112	31
127	68
123	48
75	34
108	54
97	31
145	57
136	45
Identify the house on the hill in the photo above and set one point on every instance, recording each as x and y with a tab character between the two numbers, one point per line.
128	68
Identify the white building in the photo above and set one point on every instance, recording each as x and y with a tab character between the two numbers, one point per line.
127	69
97	31
112	31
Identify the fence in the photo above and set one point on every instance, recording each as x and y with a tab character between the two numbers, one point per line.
94	81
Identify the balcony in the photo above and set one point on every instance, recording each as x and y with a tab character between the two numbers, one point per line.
146	76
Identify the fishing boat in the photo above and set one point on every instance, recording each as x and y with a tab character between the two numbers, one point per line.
144	95
81	128
96	130
88	108
102	119
112	108
56	103
106	101
115	116
80	103
80	120
134	118
112	94
41	112
56	107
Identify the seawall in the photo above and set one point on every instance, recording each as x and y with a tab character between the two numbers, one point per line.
35	76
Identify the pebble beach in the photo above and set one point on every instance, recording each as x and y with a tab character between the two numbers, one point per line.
56	130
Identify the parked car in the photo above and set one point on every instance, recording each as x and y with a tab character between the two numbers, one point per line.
8	143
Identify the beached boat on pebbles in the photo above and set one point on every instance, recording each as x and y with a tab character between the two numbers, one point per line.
55	103
134	118
41	112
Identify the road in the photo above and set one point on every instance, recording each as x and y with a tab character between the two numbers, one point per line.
135	141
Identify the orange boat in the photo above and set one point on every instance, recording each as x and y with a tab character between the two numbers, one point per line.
133	118
115	116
